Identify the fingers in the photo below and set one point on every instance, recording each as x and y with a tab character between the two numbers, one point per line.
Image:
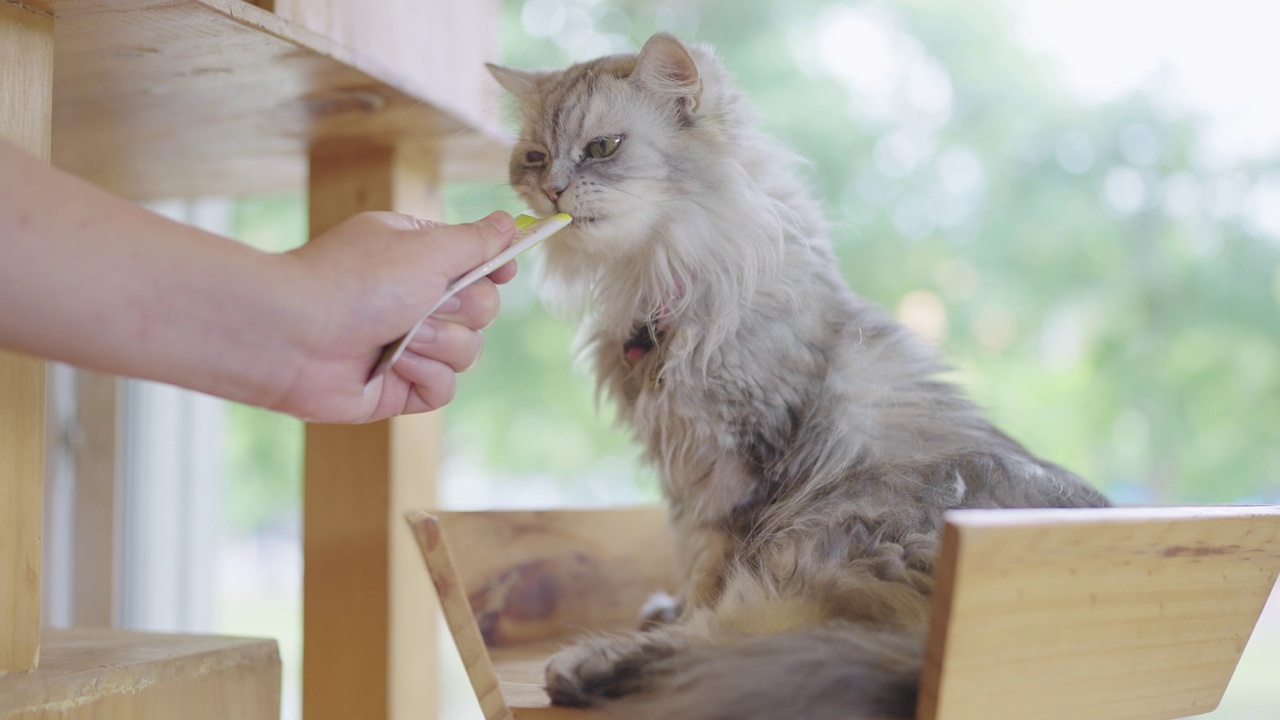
504	274
433	383
422	257
460	248
476	308
450	343
399	221
437	352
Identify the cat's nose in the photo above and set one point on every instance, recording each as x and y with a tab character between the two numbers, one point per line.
554	191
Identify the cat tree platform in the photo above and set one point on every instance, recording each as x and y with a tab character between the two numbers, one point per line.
1106	614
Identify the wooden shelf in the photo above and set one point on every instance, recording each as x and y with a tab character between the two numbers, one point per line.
109	674
166	98
1119	613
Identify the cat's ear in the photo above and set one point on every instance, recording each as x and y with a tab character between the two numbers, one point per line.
523	85
666	67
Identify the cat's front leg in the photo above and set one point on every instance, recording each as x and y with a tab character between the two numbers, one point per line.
710	517
603	668
704	554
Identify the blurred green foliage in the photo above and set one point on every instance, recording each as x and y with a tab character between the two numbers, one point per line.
1105	320
1132	339
262	449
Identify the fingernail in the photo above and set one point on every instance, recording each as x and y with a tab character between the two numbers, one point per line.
501	221
453	304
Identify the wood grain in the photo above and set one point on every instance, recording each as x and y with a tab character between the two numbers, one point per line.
438	46
1110	614
369	623
26	77
206	97
26	74
521	670
1056	615
513	569
116	675
539	575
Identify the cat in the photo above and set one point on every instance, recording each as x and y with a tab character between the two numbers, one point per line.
806	446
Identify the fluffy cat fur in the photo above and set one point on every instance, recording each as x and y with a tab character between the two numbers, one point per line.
806	447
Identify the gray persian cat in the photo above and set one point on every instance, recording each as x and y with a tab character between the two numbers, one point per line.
806	447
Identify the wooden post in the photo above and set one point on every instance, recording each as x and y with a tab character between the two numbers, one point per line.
26	109
369	615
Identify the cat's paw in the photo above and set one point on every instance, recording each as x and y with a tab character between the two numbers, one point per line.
600	669
660	609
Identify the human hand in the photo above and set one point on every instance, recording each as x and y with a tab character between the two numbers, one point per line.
363	284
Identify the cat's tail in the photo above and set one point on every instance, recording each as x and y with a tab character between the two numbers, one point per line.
847	672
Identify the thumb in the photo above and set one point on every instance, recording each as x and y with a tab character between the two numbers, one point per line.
462	247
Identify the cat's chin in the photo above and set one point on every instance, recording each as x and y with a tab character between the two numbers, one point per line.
604	245
593	233
613	234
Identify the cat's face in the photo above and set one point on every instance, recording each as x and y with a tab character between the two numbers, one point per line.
602	142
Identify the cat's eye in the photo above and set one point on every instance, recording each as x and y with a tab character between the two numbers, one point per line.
603	147
534	157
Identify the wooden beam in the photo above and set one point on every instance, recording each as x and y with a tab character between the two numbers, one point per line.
26	107
437	46
369	614
184	98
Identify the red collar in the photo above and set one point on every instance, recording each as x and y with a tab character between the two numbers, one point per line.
646	337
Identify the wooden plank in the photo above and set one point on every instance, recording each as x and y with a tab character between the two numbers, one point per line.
369	619
1113	614
114	675
439	46
521	671
149	91
26	93
457	614
26	75
532	576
